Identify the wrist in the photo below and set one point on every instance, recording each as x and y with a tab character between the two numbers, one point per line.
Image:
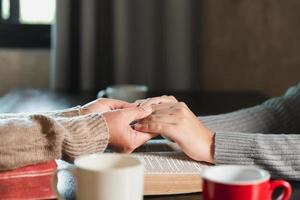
107	119
212	147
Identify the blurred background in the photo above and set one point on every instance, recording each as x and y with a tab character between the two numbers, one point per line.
178	45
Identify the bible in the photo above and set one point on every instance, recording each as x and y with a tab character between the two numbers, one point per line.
168	170
29	182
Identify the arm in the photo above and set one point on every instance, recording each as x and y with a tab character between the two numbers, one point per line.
70	112
34	138
39	138
277	115
97	106
278	153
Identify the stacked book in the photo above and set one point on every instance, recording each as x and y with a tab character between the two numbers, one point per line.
30	182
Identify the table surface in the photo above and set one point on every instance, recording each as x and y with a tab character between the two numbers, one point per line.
201	103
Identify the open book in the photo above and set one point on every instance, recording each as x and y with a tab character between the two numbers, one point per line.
168	170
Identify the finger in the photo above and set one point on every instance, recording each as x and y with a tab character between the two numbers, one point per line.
168	130
136	113
142	137
179	107
139	102
115	104
163	118
154	127
159	100
167	111
163	106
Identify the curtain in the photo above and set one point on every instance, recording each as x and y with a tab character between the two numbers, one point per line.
102	42
82	45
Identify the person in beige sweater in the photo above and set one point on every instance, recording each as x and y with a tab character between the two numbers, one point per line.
34	138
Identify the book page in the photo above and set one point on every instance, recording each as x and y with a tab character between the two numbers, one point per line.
160	145
170	163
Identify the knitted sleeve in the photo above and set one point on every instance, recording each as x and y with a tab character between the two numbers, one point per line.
38	138
267	135
70	112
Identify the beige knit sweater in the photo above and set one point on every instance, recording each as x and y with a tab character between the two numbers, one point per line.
32	138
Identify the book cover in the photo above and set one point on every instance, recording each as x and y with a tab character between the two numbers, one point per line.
29	182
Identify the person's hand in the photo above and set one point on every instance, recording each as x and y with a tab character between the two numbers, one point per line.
104	105
122	137
178	123
155	100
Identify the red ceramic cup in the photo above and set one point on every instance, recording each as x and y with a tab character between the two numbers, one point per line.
236	182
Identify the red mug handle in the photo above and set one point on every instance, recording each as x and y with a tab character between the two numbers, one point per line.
287	189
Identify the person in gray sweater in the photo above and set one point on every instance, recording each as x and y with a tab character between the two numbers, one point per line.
266	135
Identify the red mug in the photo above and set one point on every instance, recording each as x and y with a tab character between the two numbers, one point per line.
237	182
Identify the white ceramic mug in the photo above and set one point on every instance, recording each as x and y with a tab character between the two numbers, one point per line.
107	176
128	93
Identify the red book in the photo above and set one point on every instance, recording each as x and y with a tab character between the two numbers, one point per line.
30	182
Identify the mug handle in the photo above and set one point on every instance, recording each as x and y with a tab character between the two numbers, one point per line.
287	189
72	170
101	93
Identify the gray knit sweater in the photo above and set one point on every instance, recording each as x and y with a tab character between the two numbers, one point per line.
267	135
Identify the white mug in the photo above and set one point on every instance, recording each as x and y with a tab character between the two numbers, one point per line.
128	93
106	176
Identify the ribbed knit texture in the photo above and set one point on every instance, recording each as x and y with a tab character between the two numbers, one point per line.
28	139
267	135
70	112
85	134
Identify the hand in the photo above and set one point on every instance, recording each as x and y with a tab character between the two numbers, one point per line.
155	100
123	138
178	123
104	105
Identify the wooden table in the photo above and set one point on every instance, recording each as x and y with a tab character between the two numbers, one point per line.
201	103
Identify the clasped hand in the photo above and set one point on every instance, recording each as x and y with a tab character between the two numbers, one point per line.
159	115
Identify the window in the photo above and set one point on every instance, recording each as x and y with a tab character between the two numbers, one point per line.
26	23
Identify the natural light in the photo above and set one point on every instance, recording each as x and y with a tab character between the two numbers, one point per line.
32	11
37	11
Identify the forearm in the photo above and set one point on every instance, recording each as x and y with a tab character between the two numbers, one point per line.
85	134
38	138
277	153
249	120
70	112
280	114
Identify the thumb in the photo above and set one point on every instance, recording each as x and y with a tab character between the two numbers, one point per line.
141	137
136	113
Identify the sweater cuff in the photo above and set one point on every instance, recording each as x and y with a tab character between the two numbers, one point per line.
85	135
234	148
277	153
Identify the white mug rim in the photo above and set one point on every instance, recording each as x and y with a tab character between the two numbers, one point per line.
141	88
81	166
209	177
